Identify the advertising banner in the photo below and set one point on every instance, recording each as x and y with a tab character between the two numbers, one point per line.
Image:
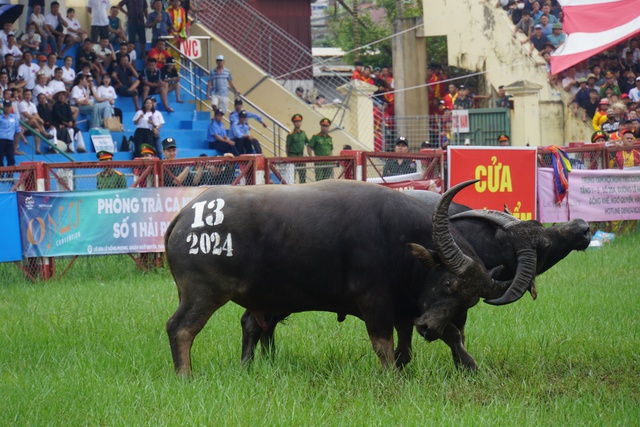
507	177
604	195
99	222
548	209
10	249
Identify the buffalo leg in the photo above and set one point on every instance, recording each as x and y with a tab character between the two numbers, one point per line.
182	328
252	331
403	353
454	339
379	323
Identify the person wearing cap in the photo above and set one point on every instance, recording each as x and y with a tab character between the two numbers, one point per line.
217	136
400	166
598	137
357	70
159	21
239	132
581	96
170	75
296	142
557	37
109	178
220	80
634	94
9	131
174	175
600	117
610	82
321	144
300	94
612	124
237	107
503	140
146	152
64	120
537	39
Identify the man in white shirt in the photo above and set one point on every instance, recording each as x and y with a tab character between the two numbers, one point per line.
27	72
55	23
634	94
7	29
29	114
56	84
99	18
80	98
49	68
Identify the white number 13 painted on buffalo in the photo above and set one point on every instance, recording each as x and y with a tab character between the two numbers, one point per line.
214	213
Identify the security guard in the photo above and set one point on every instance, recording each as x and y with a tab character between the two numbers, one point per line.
321	144
109	178
9	127
296	141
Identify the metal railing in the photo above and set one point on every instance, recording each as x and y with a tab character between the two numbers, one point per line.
194	79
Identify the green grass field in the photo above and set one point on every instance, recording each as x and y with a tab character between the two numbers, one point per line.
90	349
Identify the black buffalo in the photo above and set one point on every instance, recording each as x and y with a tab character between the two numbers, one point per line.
502	243
339	246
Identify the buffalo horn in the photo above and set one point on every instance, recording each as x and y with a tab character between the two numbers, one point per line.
499	219
525	274
452	256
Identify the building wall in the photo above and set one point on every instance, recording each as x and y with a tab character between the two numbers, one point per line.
480	39
293	16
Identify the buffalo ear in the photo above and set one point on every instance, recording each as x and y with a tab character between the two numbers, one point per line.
427	257
496	272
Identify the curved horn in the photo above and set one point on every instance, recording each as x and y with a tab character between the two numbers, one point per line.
525	274
452	257
499	219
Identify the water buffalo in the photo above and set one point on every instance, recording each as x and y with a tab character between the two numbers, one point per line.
502	242
339	246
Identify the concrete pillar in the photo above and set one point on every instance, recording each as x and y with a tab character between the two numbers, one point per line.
526	125
409	69
358	120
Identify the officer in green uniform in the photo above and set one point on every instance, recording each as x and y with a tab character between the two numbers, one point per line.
296	141
109	177
321	144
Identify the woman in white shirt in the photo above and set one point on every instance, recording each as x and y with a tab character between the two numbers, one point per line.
68	73
146	124
106	93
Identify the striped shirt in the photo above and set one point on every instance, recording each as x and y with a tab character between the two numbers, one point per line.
219	85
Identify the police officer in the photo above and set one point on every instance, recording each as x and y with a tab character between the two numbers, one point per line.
297	140
9	128
321	144
109	177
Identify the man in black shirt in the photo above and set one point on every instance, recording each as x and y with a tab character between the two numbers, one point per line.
152	83
122	80
400	166
86	55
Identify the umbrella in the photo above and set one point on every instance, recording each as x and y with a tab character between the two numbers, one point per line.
10	12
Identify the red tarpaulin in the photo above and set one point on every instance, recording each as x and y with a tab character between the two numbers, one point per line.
593	26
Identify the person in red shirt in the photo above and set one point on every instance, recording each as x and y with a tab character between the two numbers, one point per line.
450	98
357	72
159	53
366	75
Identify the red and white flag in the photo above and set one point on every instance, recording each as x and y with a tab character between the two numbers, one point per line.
593	26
